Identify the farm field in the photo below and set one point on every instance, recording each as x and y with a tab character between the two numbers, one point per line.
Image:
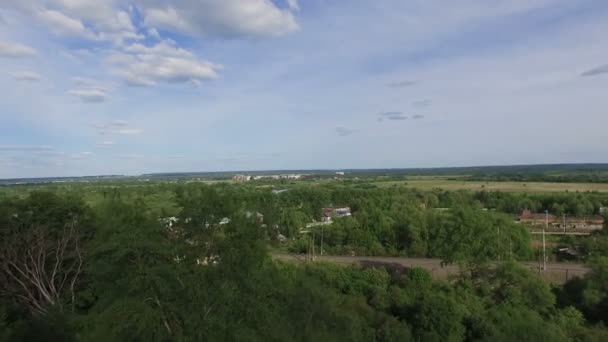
450	184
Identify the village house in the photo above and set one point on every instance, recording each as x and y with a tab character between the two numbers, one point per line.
258	216
329	213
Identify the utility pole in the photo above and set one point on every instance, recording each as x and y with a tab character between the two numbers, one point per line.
544	247
309	252
313	246
499	248
322	228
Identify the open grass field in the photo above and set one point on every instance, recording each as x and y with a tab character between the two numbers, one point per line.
450	184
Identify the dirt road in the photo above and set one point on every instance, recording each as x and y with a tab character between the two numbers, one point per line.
555	273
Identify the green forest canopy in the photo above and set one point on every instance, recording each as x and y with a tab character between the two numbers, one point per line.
100	266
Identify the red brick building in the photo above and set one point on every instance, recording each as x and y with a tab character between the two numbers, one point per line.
556	222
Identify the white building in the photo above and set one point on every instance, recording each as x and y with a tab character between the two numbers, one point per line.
241	178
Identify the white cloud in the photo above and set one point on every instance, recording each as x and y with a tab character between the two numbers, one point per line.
293	4
107	19
25	76
88	82
15	50
119	123
393	116
131	156
138	81
48	153
402	84
602	69
105	143
162	49
167	19
141	65
89	90
8	162
422	103
81	155
21	148
152	32
90	95
344	131
195	83
120	127
61	24
128	131
96	20
231	18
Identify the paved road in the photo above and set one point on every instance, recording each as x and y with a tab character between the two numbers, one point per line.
535	232
556	272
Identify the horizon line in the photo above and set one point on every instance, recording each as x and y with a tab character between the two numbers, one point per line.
312	169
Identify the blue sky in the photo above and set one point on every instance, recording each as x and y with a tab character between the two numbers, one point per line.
129	87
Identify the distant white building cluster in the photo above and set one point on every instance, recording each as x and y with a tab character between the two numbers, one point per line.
244	178
241	178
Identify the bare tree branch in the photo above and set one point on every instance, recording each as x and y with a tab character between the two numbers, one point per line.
39	267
